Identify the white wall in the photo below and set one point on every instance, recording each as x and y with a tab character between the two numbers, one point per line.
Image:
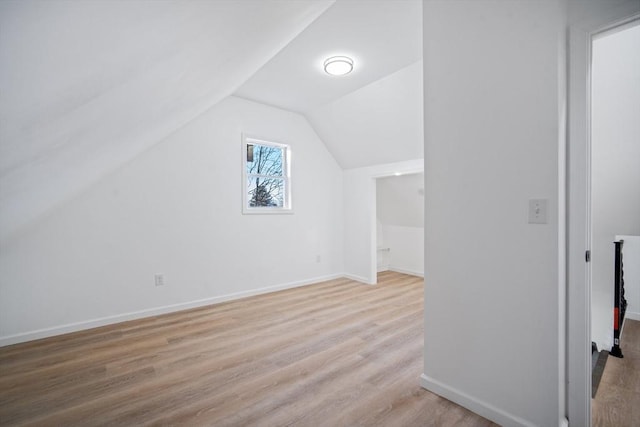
175	210
406	249
360	216
493	82
615	181
400	211
382	253
400	200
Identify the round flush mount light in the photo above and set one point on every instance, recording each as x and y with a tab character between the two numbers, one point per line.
338	65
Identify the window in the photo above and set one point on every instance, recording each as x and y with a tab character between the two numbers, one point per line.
266	185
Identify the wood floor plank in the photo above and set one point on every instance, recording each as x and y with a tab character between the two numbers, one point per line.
328	354
617	401
239	396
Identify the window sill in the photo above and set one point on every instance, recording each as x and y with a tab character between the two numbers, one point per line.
266	211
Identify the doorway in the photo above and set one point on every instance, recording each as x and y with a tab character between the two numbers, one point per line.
615	175
615	204
579	187
400	224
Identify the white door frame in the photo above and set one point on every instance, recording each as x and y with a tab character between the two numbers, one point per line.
578	209
374	224
411	170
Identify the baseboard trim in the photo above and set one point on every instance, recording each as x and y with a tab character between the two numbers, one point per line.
473	404
409	272
109	320
358	279
632	315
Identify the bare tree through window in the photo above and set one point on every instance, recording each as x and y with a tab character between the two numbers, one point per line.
266	175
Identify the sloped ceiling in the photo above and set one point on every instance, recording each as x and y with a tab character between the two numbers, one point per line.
372	115
381	36
86	86
379	123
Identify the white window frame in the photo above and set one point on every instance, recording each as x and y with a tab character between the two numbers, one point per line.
286	177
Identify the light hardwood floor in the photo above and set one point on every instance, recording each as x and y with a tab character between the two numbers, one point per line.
617	402
332	354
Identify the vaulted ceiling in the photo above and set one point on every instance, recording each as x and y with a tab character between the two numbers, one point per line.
87	86
372	115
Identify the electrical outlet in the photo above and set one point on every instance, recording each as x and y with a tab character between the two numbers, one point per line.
159	279
318	258
538	211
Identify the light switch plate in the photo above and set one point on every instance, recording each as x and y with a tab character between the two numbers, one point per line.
537	211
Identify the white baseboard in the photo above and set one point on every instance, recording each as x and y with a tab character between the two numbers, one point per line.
409	272
473	404
103	321
632	315
358	279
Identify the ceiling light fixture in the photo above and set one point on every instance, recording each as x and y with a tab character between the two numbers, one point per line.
338	65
